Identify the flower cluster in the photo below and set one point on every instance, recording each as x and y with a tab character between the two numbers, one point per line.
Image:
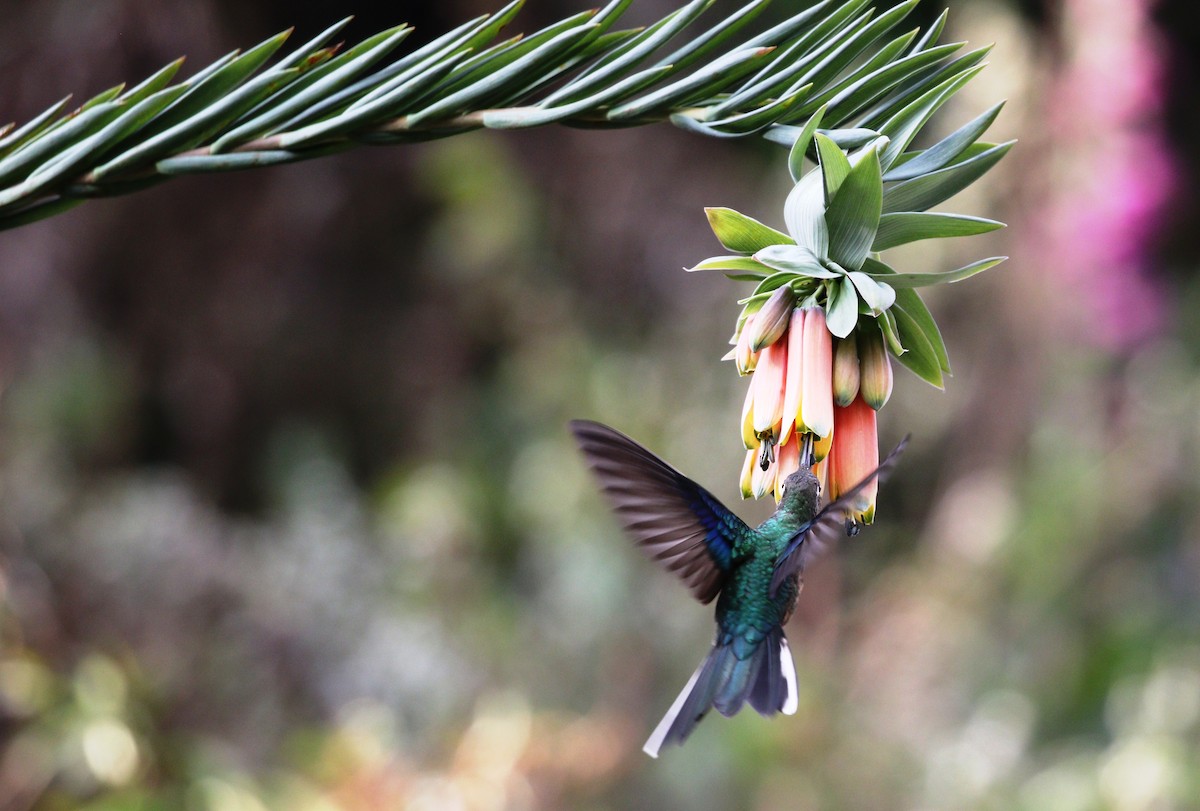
826	316
811	395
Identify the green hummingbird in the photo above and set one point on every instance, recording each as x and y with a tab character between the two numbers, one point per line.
754	574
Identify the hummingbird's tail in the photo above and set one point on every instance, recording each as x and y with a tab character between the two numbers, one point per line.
766	678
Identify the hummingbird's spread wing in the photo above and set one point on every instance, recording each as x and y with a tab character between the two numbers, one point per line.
675	520
826	526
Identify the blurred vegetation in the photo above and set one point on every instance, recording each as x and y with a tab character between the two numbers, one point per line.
289	517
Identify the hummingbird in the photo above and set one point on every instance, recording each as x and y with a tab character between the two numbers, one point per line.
755	575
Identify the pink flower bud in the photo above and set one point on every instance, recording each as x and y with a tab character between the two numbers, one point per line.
772	319
875	371
845	370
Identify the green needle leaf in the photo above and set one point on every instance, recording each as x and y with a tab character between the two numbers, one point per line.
947	149
155	82
720	71
24	160
704	44
69	163
900	280
456	102
516	117
903	227
928	190
629	54
319	84
904	125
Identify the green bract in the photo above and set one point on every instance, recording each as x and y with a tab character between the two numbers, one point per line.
864	195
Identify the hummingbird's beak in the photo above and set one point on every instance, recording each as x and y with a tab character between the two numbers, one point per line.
806	451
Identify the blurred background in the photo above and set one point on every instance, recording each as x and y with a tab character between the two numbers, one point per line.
289	517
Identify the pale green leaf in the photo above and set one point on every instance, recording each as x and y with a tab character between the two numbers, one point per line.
800	146
878	296
919	356
841	308
912	303
853	216
728	263
796	259
804	214
742	234
834	166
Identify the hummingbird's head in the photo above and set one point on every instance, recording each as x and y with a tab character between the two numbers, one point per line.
801	491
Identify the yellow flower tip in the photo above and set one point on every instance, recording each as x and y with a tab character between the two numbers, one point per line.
772	319
745	357
762	481
821	471
822	445
747	479
875	371
845	370
855	454
749	438
767	387
816	397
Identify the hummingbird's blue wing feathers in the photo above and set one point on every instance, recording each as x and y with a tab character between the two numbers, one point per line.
817	535
676	521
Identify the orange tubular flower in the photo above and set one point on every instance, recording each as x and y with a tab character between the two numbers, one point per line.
795	357
816	398
768	382
855	454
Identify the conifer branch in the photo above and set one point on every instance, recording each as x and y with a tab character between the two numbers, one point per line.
241	113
